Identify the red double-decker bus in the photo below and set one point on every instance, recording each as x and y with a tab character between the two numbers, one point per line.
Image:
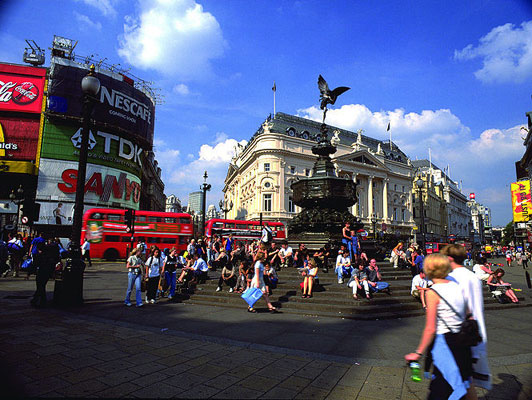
105	229
243	230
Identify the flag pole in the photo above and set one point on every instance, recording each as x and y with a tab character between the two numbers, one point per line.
389	130
274	88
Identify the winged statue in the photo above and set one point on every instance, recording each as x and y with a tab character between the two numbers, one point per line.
328	96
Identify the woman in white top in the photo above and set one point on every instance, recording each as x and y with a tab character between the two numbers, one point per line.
441	325
258	281
134	276
154	265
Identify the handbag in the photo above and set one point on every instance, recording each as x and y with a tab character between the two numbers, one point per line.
251	295
143	284
469	334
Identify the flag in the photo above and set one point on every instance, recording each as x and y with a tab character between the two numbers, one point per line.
274	88
388	127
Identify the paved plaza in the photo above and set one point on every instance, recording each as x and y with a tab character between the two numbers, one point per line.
105	349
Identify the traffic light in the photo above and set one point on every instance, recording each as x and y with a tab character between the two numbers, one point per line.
129	218
31	211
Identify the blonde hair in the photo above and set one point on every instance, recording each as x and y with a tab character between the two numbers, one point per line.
436	266
260	256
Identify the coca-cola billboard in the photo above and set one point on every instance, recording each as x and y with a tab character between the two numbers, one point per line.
21	88
19	138
119	103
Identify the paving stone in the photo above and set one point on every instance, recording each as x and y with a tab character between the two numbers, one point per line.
147	368
199	392
238	392
177	369
141	358
43	386
309	372
121	390
199	361
47	370
81	362
83	389
312	393
150	379
80	353
242	372
110	355
356	372
223	381
258	382
343	392
295	383
158	390
208	370
48	350
187	381
380	392
170	361
114	365
83	374
280	393
116	378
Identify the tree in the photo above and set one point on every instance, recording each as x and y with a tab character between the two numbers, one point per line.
508	234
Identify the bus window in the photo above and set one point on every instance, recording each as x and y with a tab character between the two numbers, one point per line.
170	220
96	216
184	220
112	238
242	226
154	240
218	225
140	218
230	225
114	217
182	240
154	219
168	240
126	239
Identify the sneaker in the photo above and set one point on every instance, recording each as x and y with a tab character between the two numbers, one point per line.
140	305
152	301
218	289
340	281
147	301
230	290
128	304
170	297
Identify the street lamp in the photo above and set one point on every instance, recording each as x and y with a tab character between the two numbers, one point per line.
70	290
17	198
374	222
225	207
419	184
205	187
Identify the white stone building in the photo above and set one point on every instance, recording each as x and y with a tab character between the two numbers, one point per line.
173	204
279	153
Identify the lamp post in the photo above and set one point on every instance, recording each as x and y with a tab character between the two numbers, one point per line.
374	222
17	198
205	187
69	291
225	207
419	184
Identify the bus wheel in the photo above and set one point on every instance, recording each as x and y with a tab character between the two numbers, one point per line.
110	254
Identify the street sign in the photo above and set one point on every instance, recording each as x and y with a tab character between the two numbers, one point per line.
25	220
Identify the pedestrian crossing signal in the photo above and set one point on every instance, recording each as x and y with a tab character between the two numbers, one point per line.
129	218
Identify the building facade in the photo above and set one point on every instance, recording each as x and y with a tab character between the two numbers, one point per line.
280	152
446	209
173	204
194	202
152	196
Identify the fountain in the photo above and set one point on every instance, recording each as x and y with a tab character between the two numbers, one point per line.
324	197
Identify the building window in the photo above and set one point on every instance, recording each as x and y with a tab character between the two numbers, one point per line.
267	185
267	167
395	214
307	172
403	189
414	212
292	169
267	204
395	187
291	206
403	215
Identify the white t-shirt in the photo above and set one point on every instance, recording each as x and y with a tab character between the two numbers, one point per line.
285	252
154	265
341	260
447	319
200	265
86	246
418	281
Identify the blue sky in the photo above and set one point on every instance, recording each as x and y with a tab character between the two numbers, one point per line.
452	76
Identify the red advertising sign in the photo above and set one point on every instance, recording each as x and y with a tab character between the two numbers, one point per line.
21	88
471	196
19	138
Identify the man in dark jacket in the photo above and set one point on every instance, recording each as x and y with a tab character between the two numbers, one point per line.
45	260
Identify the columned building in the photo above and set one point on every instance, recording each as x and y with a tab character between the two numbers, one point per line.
173	204
280	152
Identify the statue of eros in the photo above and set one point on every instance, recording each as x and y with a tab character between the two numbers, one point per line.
328	96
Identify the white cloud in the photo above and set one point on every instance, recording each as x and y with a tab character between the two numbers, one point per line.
174	37
410	131
86	22
506	54
181	89
106	7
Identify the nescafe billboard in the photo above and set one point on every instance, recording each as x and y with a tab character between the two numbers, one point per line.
21	88
120	104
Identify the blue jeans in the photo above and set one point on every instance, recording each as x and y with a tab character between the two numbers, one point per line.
349	246
133	279
343	272
171	278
